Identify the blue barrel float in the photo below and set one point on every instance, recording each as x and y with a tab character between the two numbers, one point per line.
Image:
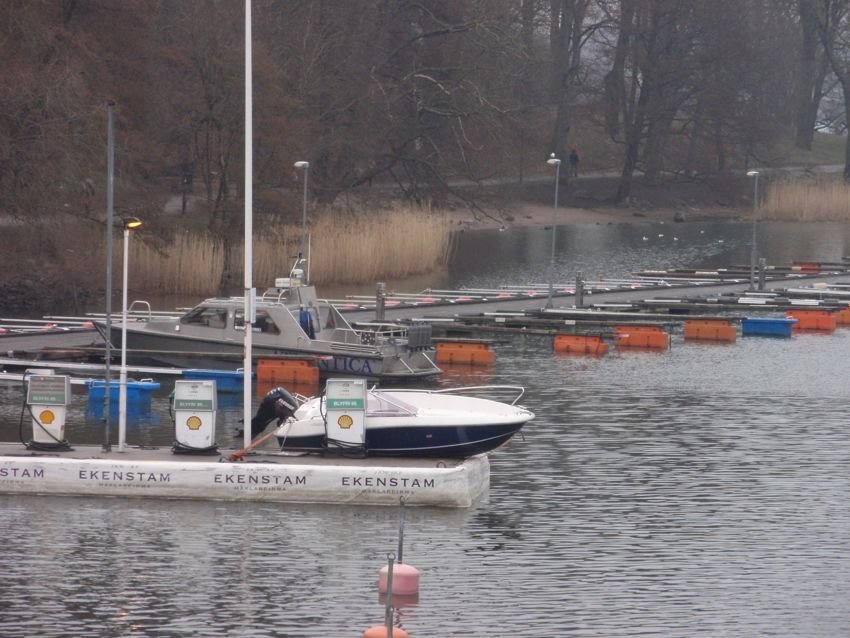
225	380
767	326
138	398
137	391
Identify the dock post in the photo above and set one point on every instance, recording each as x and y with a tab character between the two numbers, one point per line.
380	298
579	290
762	268
388	610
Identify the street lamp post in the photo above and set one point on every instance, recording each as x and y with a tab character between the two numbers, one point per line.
553	161
305	166
130	223
753	248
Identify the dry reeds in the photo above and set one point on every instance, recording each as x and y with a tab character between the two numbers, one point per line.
363	249
343	249
191	265
823	199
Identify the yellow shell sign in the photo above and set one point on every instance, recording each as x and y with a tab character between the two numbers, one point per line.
46	417
345	422
194	423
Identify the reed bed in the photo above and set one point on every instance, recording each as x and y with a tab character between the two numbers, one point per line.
394	244
810	200
193	264
348	248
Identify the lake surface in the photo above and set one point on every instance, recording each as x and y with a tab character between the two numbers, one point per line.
698	492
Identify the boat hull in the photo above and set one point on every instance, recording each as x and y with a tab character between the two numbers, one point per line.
417	442
147	347
410	423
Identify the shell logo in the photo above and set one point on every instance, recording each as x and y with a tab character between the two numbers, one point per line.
194	423
345	421
46	417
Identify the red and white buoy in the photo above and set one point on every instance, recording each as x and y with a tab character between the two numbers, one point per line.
405	579
387	630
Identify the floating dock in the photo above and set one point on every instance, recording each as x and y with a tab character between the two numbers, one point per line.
262	476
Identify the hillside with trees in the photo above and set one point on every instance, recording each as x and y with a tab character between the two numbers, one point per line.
429	100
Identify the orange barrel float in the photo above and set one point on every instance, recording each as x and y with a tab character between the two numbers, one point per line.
380	631
806	266
710	330
468	352
300	371
580	344
842	317
812	320
642	337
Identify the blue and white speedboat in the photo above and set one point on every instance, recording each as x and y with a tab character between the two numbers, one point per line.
448	423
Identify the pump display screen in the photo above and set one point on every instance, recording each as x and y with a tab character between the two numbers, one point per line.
47	390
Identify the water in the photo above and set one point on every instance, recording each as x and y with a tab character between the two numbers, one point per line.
700	492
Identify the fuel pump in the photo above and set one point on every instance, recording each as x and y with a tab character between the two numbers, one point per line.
47	398
345	417
194	405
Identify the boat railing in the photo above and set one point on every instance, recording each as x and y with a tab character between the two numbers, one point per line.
365	338
139	310
415	337
276	295
504	393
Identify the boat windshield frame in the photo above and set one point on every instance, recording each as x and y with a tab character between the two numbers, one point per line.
381	404
201	315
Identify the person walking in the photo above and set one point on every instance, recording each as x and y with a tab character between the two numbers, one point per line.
574	160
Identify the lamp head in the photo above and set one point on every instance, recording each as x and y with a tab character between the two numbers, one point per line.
302	164
553	161
131	223
752	173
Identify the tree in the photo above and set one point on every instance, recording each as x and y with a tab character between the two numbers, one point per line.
811	78
567	36
834	28
410	92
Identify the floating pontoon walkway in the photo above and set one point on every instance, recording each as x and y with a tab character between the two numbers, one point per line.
262	476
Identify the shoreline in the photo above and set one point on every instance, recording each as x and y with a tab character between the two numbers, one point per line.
535	215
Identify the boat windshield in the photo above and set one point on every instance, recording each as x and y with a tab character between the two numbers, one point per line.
263	323
211	316
380	404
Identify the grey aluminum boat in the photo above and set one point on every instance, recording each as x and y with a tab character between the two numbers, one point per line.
290	321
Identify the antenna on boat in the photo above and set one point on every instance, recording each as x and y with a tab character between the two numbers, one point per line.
296	273
303	250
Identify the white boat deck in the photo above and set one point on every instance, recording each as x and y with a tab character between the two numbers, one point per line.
262	476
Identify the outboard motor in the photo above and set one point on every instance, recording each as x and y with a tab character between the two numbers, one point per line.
277	404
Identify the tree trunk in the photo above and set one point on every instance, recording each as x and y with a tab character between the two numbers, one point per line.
634	131
811	76
720	147
614	81
565	46
691	165
653	152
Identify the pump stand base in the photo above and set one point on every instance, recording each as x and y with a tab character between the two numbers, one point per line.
179	448
60	446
